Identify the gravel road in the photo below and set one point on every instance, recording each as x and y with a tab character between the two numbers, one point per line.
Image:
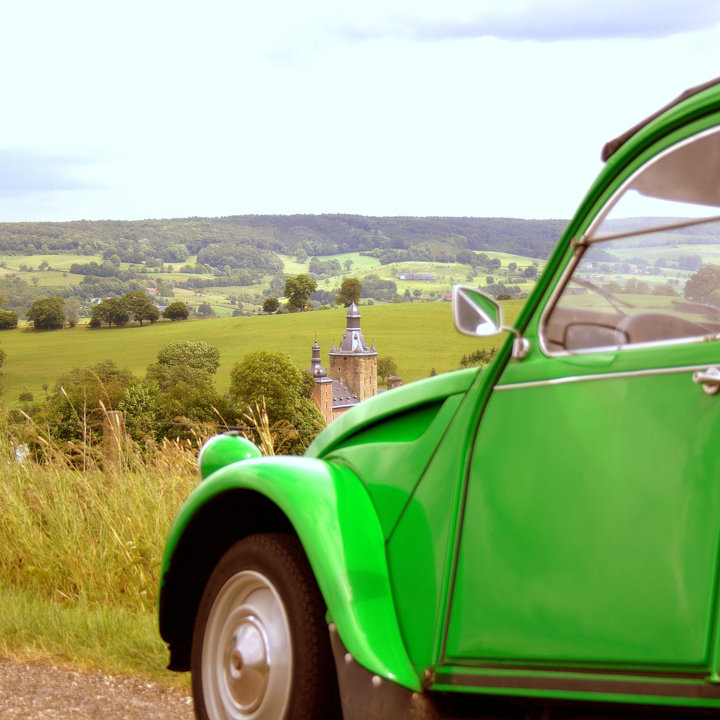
41	691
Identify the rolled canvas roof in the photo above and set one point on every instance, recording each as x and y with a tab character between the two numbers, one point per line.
612	146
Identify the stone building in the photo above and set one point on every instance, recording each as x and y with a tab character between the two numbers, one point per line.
353	371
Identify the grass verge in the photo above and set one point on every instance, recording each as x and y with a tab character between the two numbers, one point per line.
111	639
80	554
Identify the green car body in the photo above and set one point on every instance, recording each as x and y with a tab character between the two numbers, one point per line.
545	529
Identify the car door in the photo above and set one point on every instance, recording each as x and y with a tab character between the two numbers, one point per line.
593	538
591	524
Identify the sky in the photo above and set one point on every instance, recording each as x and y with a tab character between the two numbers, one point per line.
486	108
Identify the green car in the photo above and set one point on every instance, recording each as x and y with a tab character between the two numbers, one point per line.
507	541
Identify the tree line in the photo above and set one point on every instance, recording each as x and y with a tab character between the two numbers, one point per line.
49	314
216	239
176	394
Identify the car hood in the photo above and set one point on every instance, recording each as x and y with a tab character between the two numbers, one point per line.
391	402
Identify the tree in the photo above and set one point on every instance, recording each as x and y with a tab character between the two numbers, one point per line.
272	378
477	357
386	367
176	311
139	305
142	408
298	289
183	376
205	309
701	285
76	408
270	305
689	262
466	257
194	354
375	287
175	253
47	314
72	309
111	312
8	320
350	291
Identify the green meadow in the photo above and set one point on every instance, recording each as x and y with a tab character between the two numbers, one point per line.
80	556
419	336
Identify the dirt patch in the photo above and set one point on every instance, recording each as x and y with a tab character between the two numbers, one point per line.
42	691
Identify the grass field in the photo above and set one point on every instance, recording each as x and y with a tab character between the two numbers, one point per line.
80	555
57	262
419	336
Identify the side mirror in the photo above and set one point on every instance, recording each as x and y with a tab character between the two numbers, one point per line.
474	313
479	315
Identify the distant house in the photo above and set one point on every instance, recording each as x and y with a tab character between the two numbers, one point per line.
153	291
425	277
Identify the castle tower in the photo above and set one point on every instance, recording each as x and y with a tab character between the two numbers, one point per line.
322	392
353	362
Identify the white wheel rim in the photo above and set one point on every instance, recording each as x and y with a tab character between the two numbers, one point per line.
246	654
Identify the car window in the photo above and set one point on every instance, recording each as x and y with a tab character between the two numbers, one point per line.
659	287
648	270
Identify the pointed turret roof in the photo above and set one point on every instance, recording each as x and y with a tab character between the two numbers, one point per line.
316	368
353	342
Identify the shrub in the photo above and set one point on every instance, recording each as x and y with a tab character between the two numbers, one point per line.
176	311
8	320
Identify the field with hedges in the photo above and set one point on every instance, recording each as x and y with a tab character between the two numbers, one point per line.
419	336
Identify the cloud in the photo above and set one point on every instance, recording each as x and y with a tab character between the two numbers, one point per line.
24	171
545	21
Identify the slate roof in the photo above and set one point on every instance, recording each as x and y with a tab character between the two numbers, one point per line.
353	342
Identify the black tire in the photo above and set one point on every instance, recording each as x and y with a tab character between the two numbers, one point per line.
261	647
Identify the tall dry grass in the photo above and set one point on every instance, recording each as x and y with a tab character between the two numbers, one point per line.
93	535
82	532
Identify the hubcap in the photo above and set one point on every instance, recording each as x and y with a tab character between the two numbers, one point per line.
247	665
246	657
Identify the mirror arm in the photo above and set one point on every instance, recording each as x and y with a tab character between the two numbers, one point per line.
521	345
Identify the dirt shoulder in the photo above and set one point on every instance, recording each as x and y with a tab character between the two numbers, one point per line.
43	691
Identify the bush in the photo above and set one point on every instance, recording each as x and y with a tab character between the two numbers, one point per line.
176	311
8	320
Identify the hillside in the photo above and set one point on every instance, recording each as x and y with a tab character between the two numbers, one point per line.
419	336
231	265
138	241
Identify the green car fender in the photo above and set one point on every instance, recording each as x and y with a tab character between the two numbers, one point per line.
332	513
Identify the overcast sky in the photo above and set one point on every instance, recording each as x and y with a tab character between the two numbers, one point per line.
150	109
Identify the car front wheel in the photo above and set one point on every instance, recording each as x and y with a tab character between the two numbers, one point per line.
261	647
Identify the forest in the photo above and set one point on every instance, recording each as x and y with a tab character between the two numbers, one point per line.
250	240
